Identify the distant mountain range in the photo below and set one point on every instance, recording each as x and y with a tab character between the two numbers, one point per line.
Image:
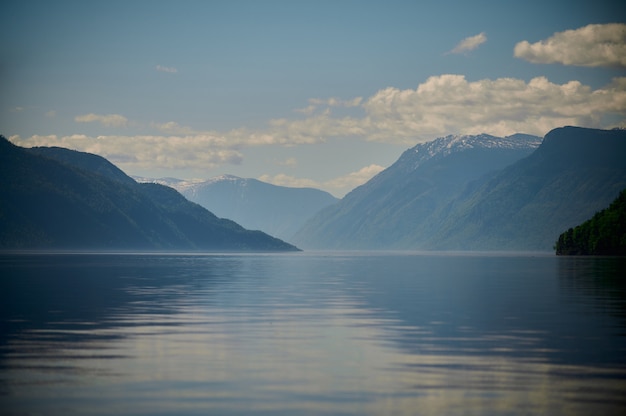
54	198
277	210
478	193
454	193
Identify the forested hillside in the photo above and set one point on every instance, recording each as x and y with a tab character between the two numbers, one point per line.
603	234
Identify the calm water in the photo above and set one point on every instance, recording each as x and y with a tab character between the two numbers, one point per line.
312	333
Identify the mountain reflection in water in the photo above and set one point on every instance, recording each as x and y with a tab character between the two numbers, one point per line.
317	333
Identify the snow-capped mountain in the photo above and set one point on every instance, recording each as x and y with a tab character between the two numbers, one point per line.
478	193
444	146
399	206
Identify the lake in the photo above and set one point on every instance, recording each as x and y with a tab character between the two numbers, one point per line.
354	333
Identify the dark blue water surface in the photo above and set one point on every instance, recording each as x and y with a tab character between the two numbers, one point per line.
312	333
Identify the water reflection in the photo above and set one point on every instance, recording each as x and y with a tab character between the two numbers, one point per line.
504	328
308	333
596	281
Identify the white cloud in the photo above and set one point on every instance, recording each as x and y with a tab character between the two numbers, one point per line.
338	186
168	69
141	152
592	45
441	105
286	180
107	120
354	179
448	104
51	114
315	103
470	43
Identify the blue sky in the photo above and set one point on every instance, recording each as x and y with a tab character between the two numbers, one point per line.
318	93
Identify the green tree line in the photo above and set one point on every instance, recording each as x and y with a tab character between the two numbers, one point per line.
604	234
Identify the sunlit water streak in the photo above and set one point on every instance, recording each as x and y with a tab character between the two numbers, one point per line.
316	333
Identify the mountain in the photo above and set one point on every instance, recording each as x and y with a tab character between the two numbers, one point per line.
84	161
276	210
54	198
573	174
604	234
404	205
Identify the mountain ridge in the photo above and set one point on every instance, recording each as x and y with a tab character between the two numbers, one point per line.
470	199
398	203
276	210
50	198
574	173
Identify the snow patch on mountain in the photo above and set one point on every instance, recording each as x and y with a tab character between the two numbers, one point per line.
447	145
222	178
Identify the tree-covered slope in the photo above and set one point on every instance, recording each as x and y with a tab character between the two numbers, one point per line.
61	199
604	234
